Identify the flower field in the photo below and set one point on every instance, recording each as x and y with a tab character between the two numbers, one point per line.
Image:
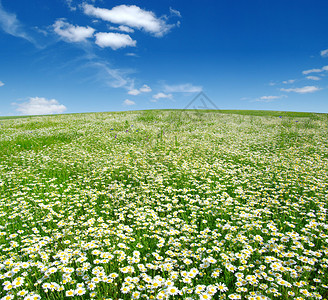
164	205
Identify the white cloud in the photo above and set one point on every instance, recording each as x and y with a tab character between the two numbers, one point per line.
303	90
289	81
114	40
72	33
324	68
122	28
70	5
11	25
268	98
1	83
134	92
324	53
41	31
145	89
162	95
125	28
131	54
132	16
312	71
128	102
313	78
40	106
116	78
175	12
182	88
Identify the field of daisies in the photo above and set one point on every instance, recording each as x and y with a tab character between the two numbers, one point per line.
164	205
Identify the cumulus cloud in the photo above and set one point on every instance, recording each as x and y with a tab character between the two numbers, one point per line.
182	88
325	68
11	25
302	90
72	33
134	92
1	83
144	89
40	106
132	16
128	102
324	53
313	78
162	95
114	40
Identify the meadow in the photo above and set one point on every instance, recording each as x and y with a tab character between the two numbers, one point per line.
164	205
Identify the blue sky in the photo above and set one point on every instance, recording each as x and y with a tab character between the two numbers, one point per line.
67	56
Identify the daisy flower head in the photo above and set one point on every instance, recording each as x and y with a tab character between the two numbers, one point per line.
205	296
172	290
7	297
70	293
234	296
22	293
221	287
80	291
136	295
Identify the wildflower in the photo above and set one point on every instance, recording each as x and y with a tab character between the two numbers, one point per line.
22	293
172	290
222	287
125	289
234	296
8	297
205	296
70	293
80	291
135	295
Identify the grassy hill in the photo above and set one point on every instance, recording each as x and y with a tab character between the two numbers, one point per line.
172	203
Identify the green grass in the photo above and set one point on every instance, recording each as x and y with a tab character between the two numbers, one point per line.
225	111
268	113
13	117
148	204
